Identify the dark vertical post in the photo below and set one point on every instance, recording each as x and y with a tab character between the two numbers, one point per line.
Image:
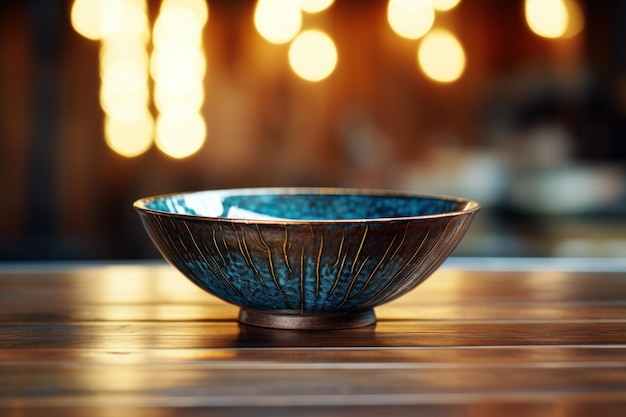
618	80
45	20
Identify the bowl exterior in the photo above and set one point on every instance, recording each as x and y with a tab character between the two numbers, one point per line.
306	267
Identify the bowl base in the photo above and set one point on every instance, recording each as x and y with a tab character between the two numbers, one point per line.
296	320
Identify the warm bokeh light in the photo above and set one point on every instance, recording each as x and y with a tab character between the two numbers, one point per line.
547	18
315	6
174	61
180	134
189	99
576	21
178	66
180	19
133	24
411	19
197	8
124	75
124	90
278	21
110	52
441	56
445	5
312	55
94	19
122	106
129	137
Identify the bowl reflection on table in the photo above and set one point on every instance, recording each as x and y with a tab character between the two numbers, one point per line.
306	258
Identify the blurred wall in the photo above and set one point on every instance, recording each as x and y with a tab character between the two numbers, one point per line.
534	129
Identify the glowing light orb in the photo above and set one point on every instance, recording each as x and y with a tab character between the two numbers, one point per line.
180	134
315	6
445	5
94	19
130	137
313	55
411	19
278	21
441	56
547	18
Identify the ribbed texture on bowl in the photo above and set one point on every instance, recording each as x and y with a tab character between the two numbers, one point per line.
306	267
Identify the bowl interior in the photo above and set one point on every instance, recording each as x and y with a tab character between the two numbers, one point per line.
304	205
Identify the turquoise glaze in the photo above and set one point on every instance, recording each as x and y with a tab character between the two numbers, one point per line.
306	251
312	207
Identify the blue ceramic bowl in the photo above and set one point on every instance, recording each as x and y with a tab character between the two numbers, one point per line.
305	258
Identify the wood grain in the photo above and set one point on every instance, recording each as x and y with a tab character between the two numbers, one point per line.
141	340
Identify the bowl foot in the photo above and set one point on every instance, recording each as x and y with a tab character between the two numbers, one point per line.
295	320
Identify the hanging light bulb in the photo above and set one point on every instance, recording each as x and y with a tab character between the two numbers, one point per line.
180	134
178	67
95	19
315	6
445	5
411	19
278	21
441	56
313	55
124	91
547	18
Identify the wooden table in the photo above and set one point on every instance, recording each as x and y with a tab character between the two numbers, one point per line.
481	337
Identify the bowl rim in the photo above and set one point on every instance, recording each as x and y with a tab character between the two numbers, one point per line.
470	206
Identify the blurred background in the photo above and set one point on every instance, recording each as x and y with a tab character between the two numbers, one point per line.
519	104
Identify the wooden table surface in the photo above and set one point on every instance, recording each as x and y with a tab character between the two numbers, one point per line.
516	339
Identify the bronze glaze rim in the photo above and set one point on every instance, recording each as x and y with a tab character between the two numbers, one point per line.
470	206
296	320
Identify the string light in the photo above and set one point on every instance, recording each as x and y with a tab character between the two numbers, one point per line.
178	63
411	19
180	134
554	18
95	19
278	21
124	93
313	55
178	66
130	136
445	5
124	89
441	56
576	20
547	18
315	6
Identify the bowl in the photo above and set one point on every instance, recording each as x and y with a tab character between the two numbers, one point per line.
306	258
